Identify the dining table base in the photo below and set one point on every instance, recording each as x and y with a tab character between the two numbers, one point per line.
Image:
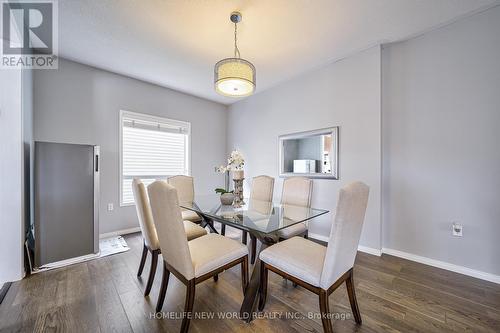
206	222
249	305
244	218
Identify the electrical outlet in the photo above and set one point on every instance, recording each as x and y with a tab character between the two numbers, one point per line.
456	229
110	207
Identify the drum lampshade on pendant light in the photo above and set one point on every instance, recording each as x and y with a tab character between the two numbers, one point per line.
234	77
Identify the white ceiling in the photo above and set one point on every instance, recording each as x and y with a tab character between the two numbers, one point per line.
175	43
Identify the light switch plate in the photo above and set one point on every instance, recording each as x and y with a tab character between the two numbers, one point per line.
110	207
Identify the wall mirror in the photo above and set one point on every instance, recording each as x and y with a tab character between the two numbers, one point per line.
311	154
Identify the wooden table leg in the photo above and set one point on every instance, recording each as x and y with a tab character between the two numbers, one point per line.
249	304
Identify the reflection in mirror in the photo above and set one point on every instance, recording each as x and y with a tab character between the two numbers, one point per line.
308	155
312	154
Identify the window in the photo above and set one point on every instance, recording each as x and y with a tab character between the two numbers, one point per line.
151	148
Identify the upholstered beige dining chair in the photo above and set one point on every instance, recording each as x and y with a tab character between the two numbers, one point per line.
185	189
194	261
262	190
297	191
148	231
318	268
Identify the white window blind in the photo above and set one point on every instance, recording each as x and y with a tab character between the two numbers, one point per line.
151	148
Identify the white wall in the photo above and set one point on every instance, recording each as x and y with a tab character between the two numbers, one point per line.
27	106
12	202
346	94
81	104
441	137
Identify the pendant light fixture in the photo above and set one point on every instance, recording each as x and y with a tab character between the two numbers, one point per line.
234	77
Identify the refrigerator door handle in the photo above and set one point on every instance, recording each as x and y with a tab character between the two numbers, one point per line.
96	163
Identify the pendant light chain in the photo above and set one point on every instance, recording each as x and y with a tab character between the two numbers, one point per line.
236	50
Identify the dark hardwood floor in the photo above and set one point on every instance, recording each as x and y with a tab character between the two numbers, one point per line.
105	295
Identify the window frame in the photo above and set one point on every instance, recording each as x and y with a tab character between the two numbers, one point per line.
144	116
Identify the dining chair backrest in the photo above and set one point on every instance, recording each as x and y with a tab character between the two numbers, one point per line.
345	232
168	222
144	214
297	191
260	207
184	186
262	188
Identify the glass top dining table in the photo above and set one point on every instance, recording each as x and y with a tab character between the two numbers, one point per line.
264	217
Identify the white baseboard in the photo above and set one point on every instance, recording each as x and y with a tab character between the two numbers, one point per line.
444	265
120	232
370	250
66	262
361	248
423	260
318	237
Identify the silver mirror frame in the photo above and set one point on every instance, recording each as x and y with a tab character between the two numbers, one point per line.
334	131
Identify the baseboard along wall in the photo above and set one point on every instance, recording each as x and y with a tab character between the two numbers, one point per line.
423	260
120	232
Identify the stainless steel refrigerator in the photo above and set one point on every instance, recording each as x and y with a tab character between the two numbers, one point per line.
66	202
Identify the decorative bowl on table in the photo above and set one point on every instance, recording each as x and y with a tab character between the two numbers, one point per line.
226	197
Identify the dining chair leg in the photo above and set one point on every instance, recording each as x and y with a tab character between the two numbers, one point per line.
263	286
152	272
143	260
306	234
223	230
352	298
163	288
188	307
253	242
244	235
244	274
325	311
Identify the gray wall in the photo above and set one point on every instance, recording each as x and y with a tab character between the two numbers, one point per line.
440	115
441	154
346	94
81	104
